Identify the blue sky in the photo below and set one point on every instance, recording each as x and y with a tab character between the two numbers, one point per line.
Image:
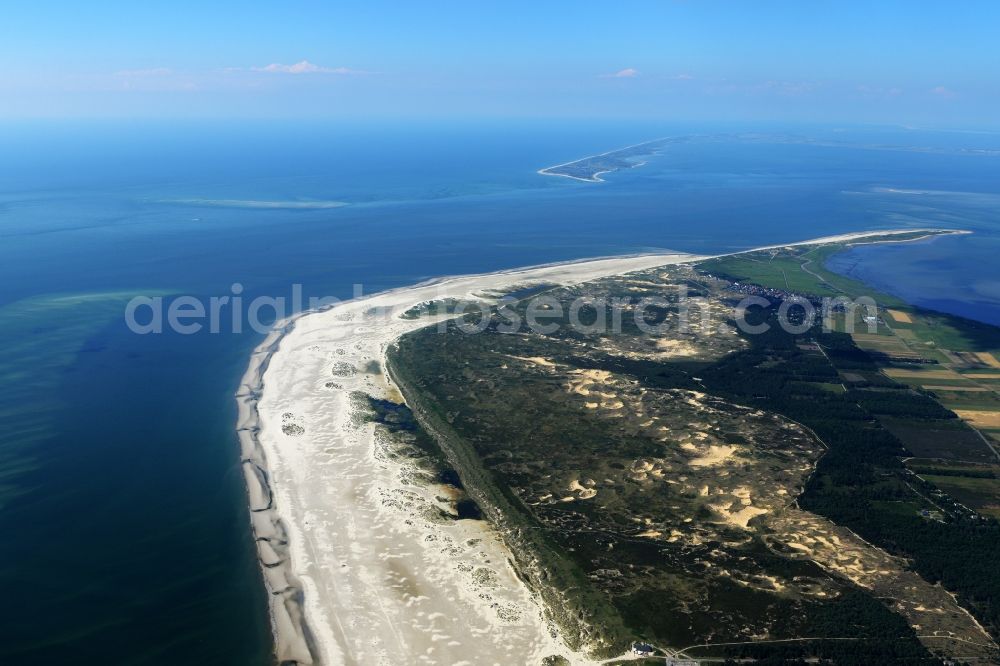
912	62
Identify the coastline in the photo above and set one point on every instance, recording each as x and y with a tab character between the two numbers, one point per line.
289	629
302	499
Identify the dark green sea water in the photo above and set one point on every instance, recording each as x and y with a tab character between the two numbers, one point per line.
121	504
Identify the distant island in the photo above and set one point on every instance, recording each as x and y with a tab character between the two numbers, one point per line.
589	169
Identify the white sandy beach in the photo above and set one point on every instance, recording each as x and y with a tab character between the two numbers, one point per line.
380	583
344	539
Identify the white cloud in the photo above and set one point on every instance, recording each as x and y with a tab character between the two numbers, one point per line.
303	67
942	91
627	73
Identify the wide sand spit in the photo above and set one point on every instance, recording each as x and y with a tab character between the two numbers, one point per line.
359	567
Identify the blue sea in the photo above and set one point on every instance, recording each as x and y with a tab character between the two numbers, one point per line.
126	535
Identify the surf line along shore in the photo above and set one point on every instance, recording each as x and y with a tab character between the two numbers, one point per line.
357	568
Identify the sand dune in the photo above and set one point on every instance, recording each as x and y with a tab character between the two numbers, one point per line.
358	569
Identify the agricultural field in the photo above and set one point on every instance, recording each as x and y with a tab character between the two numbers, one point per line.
939	439
975	486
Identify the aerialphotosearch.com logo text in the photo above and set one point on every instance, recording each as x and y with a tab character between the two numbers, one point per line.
675	310
229	313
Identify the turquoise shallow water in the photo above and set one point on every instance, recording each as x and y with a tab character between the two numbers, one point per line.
119	476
